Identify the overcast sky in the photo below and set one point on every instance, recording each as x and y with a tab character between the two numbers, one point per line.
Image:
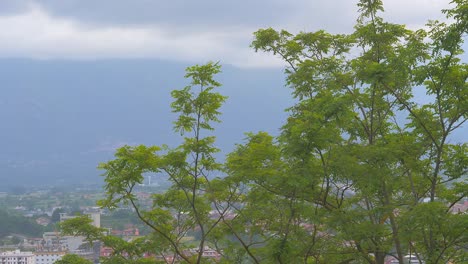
180	30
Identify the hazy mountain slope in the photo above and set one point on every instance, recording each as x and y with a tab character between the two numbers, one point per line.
61	118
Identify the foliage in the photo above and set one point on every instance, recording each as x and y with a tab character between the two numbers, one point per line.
119	219
18	224
361	170
72	259
356	127
185	207
55	218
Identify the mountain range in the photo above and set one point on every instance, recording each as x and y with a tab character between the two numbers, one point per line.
61	118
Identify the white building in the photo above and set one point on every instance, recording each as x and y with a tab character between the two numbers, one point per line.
94	213
48	257
17	257
57	241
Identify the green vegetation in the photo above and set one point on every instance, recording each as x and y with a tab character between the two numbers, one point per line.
73	259
47	200
55	218
18	224
120	219
360	171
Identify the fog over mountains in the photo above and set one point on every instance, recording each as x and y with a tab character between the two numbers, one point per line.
61	118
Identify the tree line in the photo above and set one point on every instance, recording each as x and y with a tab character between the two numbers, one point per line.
11	224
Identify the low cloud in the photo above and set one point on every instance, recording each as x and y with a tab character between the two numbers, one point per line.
42	32
36	34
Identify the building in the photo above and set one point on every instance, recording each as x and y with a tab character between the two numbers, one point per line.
207	253
411	259
43	221
48	257
17	257
94	213
460	208
54	241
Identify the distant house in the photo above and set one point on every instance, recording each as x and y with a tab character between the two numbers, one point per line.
58	241
207	253
106	252
411	259
459	208
129	231
43	221
48	257
17	257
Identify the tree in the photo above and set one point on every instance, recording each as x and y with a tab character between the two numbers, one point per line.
185	207
72	259
361	170
55	218
357	120
13	223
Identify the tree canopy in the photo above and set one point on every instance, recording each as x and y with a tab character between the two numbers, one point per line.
11	223
361	171
73	259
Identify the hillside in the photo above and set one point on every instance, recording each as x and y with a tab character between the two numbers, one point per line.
61	118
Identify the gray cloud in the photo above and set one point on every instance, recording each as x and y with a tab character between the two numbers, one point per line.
333	14
179	29
137	12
